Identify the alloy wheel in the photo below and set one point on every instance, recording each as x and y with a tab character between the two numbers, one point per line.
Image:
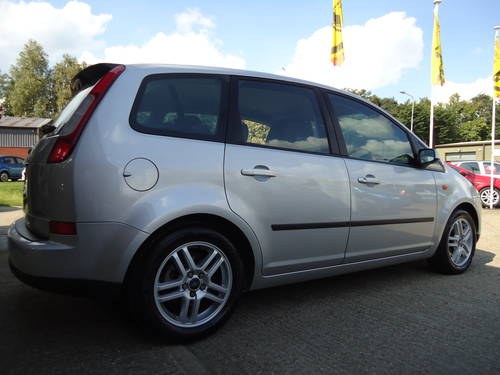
193	284
460	242
486	197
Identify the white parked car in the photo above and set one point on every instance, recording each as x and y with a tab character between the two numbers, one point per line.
481	167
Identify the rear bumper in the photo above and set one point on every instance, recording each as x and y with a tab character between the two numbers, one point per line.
88	288
101	252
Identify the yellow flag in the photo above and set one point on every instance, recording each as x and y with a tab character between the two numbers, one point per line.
337	53
437	71
496	69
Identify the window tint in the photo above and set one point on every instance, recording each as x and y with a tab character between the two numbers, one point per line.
369	135
471	166
20	161
179	106
9	160
278	115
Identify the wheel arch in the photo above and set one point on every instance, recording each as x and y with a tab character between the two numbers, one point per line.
214	222
469	208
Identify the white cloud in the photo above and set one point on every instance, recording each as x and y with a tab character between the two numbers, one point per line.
70	29
376	53
465	90
75	30
186	20
191	43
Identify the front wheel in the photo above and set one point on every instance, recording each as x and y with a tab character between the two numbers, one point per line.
486	197
457	246
4	176
187	284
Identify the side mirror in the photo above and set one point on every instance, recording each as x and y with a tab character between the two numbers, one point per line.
426	156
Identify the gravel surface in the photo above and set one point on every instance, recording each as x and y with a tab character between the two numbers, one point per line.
400	319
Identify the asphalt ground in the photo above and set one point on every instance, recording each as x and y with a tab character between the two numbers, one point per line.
399	319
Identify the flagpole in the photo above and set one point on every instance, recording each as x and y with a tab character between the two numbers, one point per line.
493	125
431	125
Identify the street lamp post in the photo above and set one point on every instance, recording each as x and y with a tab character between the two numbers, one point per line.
412	108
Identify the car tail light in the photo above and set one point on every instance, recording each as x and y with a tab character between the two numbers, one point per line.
62	227
66	143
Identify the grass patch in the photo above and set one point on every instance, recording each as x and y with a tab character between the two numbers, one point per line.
11	193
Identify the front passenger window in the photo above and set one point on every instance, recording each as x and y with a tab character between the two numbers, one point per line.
368	134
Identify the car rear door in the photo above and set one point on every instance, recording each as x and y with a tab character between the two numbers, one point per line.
281	178
393	201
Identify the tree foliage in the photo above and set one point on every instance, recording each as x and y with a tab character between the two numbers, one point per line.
30	95
62	74
32	89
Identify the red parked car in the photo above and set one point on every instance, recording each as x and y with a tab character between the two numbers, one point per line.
482	184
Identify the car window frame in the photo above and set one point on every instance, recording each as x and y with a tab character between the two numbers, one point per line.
219	136
343	147
235	118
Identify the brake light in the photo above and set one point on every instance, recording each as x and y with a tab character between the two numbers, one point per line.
66	143
62	227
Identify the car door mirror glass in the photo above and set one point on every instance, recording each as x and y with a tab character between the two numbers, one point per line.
427	156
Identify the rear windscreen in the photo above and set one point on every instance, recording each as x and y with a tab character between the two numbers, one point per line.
71	114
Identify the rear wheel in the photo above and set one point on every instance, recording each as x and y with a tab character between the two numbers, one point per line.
187	284
458	244
4	176
486	197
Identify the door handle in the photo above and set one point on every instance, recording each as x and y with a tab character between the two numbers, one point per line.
369	179
259	171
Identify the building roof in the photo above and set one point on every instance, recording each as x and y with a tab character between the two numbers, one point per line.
464	144
23	122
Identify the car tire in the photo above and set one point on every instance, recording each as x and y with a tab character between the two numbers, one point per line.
4	176
184	285
457	246
485	197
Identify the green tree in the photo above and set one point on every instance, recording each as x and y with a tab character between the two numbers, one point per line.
30	95
63	72
6	86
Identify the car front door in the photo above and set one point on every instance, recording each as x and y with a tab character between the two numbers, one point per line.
281	178
393	201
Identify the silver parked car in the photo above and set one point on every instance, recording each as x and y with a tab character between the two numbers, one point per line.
184	186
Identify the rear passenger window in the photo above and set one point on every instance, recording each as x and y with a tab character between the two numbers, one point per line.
279	115
368	134
184	106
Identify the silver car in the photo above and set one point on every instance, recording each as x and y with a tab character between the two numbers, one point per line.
181	187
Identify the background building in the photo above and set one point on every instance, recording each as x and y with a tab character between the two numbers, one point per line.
480	150
19	134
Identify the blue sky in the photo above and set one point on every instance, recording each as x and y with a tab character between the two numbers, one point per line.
387	41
